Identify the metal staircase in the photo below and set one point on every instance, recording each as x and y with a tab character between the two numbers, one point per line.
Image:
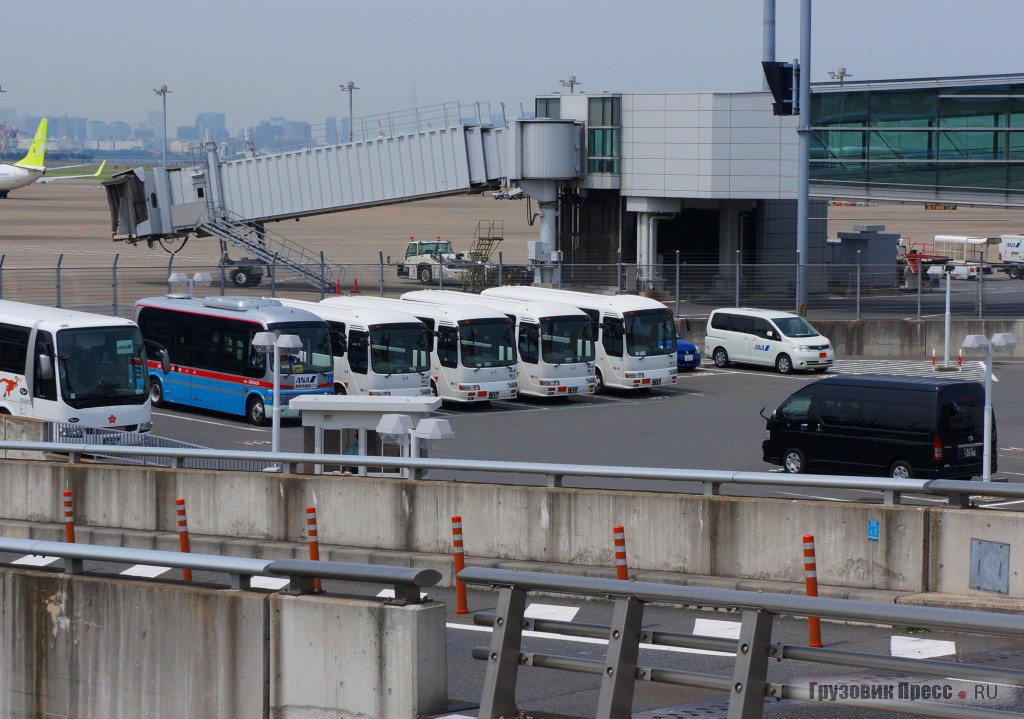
267	247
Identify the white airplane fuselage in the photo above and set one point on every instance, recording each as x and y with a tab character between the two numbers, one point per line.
12	176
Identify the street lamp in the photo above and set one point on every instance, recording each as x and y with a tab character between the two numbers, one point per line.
349	87
999	339
162	92
265	342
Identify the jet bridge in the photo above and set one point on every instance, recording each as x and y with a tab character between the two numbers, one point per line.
233	199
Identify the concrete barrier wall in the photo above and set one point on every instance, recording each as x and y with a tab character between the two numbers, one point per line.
91	647
904	338
739	537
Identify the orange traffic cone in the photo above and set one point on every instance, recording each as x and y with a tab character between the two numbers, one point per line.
355	286
337	287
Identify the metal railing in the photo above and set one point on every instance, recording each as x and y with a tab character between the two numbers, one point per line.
407	581
867	291
958	492
749	685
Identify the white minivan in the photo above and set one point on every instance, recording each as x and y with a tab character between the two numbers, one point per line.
766	337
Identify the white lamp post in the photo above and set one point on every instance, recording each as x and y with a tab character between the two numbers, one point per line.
162	92
1000	339
394	429
265	342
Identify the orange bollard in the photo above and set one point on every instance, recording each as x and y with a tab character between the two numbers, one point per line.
337	286
933	359
960	359
183	544
621	570
69	517
811	582
460	564
314	543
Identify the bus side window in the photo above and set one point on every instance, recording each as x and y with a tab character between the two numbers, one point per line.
44	388
611	337
528	347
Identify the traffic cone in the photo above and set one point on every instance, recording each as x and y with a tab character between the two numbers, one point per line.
355	286
337	287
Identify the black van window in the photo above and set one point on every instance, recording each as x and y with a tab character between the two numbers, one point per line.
795	408
763	329
721	320
896	415
839	411
742	323
965	417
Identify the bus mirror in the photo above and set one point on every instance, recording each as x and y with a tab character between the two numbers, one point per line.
165	360
686	323
340	342
45	367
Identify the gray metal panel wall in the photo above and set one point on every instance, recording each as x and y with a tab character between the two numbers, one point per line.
435	162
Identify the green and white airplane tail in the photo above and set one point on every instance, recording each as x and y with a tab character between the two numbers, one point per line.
34	158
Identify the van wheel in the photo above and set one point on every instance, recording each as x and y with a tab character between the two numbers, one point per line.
793	461
721	357
901	469
256	411
783	364
156	393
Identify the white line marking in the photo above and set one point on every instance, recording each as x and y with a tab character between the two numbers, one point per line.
589	640
551	611
206	421
920	648
811	496
35	560
1003	504
268	582
145	570
716	628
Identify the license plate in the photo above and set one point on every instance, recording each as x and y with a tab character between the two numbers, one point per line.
970	451
492	395
688	358
573	390
655	382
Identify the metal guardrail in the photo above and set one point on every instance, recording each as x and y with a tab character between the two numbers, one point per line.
748	686
958	492
407	581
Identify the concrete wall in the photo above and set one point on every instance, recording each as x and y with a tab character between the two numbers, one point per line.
907	339
87	647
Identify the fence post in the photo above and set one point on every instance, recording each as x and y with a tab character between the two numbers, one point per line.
380	256
314	542
460	564
618	271
677	283
920	271
113	284
559	270
60	259
223	261
501	270
750	671
858	284
273	276
3	256
737	278
811	584
170	270
981	287
323	272
183	543
69	517
619	536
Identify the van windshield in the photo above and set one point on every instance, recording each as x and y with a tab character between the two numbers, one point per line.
794	327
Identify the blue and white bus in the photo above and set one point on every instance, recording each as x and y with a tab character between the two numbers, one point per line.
213	364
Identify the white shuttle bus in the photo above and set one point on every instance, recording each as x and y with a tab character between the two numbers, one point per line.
79	368
473	353
555	341
636	337
378	352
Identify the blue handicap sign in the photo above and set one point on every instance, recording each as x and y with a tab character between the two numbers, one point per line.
873	530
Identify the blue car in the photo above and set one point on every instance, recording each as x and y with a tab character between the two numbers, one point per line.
687	355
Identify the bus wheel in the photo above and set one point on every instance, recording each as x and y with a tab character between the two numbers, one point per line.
901	469
598	382
5	411
256	411
793	461
156	393
339	388
433	388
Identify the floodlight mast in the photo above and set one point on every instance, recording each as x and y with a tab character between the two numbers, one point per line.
162	92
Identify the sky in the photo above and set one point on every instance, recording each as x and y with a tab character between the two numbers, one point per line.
255	59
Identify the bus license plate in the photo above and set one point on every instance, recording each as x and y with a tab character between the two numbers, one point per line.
573	390
969	451
655	382
492	395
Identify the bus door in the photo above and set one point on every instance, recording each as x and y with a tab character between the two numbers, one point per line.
359	361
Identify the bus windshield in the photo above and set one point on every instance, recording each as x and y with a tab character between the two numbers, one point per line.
399	348
487	343
102	366
566	339
315	355
794	327
650	332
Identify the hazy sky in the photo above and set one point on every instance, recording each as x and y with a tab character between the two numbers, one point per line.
254	59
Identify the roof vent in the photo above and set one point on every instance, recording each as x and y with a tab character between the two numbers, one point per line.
240	304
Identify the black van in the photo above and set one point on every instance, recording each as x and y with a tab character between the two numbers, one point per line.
881	425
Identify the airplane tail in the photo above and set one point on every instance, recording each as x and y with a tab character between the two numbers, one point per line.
34	158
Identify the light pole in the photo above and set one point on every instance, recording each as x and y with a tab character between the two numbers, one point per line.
349	87
571	82
265	342
162	92
999	339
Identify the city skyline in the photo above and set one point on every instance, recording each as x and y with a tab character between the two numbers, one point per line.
253	60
